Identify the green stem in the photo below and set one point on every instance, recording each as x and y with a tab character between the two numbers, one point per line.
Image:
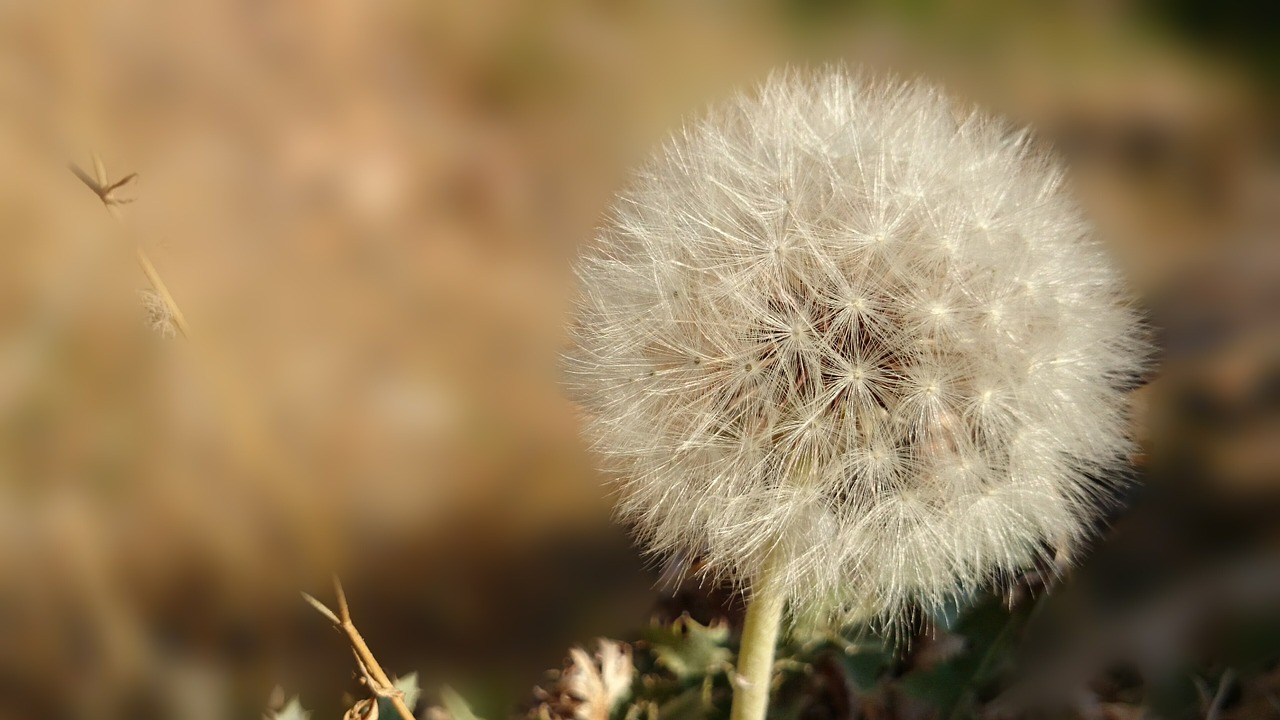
759	641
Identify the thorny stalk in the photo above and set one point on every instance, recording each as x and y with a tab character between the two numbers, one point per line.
374	676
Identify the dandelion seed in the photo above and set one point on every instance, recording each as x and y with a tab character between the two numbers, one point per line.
159	317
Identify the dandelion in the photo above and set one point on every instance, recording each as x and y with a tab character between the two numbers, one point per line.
854	349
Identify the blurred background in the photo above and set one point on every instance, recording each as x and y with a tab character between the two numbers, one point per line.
367	213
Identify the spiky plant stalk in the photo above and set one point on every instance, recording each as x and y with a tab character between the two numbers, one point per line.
855	349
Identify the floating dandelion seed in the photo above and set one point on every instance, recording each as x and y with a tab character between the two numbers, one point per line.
159	316
855	350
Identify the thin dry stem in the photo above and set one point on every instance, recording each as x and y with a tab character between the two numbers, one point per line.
374	675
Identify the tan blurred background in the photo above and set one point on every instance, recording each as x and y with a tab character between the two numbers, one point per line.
367	212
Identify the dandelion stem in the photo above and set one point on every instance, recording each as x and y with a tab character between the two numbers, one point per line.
759	642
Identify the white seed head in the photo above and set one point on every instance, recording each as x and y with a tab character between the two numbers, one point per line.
840	325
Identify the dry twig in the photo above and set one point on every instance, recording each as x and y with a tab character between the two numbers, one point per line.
373	674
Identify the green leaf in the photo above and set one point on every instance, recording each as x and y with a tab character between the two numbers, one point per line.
457	707
691	650
409	686
685	706
863	668
989	631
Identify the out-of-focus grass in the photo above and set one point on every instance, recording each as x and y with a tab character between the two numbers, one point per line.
367	210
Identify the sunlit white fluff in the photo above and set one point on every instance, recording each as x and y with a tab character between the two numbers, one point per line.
843	324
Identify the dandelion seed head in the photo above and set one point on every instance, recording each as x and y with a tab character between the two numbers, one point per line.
836	326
